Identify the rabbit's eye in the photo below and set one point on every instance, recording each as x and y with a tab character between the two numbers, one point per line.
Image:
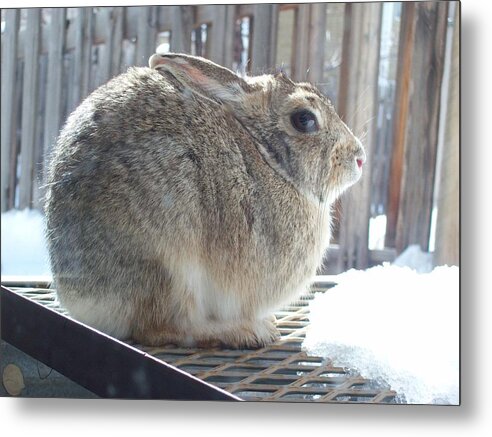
304	121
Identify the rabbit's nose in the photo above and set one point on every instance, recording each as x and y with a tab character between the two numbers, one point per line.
360	153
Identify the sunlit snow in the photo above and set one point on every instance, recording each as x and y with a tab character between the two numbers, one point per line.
393	324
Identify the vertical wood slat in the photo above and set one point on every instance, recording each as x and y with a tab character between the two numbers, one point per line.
421	130
29	105
405	52
222	35
317	40
41	116
146	34
265	28
164	17
231	14
117	40
361	110
8	112
109	63
53	112
309	42
79	86
15	157
106	49
183	19
447	245
301	41
218	30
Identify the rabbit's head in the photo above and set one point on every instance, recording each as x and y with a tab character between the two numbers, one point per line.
295	127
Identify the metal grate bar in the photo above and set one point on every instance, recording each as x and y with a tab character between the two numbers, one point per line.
280	372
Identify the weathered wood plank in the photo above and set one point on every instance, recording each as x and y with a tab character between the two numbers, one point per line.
142	55
221	34
360	115
317	38
405	53
164	18
29	105
217	35
110	59
265	27
246	9
118	16
205	14
285	46
106	49
8	107
231	14
447	245
53	111
421	130
39	152
183	20
80	84
301	41
15	158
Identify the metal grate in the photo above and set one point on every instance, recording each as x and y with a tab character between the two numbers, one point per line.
280	372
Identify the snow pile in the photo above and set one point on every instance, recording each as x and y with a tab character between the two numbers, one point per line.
415	258
24	249
393	324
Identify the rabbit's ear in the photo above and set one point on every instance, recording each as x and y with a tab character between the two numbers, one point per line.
202	76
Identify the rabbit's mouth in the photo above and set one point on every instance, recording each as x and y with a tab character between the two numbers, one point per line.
358	160
356	165
346	169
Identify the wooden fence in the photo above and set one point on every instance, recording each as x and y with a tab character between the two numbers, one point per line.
54	57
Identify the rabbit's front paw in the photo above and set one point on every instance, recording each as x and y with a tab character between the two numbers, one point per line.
253	335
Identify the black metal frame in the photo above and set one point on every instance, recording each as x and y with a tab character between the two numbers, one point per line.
105	366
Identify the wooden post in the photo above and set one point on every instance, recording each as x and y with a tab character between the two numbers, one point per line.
82	57
106	50
309	42
109	63
29	105
231	13
8	114
222	35
317	39
146	34
117	40
217	34
362	66
41	115
265	27
447	231
405	52
301	42
421	125
182	26
53	110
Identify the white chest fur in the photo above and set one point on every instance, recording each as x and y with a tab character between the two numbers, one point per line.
210	302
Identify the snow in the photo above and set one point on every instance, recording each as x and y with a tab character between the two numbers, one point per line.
393	324
416	259
377	232
24	249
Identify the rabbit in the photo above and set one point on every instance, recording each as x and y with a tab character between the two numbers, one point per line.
185	204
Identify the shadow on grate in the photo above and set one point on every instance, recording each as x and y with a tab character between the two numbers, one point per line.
280	372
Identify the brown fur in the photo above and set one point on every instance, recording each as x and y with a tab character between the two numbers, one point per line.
183	207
